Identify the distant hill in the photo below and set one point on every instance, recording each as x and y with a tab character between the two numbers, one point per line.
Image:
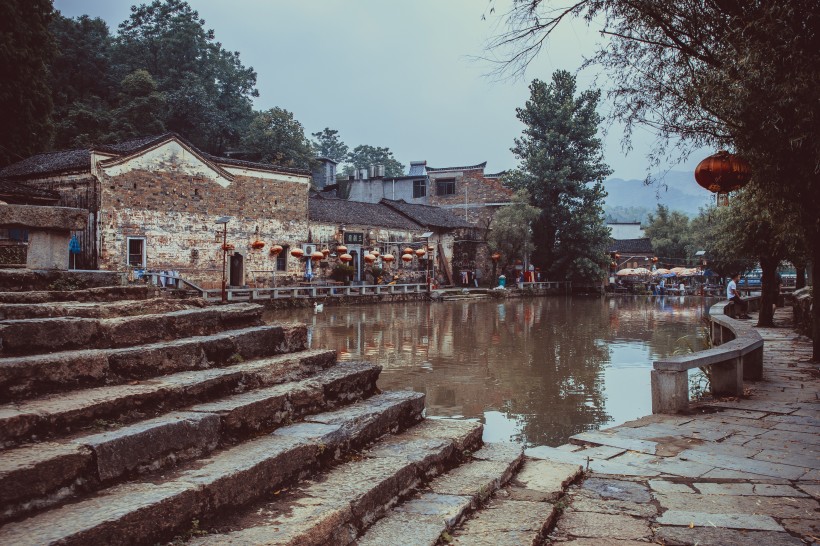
677	190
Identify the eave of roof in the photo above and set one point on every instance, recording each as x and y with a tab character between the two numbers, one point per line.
465	168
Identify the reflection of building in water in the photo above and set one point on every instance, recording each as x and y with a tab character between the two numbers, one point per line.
541	362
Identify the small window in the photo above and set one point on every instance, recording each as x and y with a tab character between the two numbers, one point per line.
419	188
282	259
136	252
446	187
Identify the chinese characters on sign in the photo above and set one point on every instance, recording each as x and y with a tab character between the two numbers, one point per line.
354	238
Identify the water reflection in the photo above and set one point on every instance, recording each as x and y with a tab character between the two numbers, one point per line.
536	370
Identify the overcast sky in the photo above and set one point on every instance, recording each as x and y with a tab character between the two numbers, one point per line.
395	73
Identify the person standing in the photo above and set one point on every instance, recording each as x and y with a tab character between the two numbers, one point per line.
733	295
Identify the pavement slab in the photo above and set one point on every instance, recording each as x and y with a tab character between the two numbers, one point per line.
605	526
684	518
711	536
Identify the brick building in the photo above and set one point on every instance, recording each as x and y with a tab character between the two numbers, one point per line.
153	203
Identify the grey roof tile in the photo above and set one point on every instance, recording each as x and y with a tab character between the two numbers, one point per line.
428	215
340	211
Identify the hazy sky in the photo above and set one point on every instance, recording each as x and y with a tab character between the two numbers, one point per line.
395	73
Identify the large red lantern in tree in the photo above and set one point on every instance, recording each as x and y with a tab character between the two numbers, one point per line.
722	173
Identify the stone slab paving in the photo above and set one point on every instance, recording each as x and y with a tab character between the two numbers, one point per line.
736	471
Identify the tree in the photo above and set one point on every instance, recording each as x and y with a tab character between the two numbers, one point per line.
719	73
207	89
140	108
26	49
670	235
562	168
364	156
274	136
329	145
511	228
82	87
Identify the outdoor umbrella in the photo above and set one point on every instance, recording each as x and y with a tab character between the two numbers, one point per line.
660	271
641	271
625	272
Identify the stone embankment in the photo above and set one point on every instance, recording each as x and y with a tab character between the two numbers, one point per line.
126	418
737	470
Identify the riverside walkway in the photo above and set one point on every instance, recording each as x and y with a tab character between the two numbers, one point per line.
733	471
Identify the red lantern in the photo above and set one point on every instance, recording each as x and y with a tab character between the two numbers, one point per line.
316	256
496	256
341	249
325	252
227	247
407	258
346	258
420	252
257	245
297	253
721	173
431	248
375	252
617	256
655	260
613	265
369	258
275	250
388	258
407	250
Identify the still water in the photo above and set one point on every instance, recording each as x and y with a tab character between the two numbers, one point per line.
532	370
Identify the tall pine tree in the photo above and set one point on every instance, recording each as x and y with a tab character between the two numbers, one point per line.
563	170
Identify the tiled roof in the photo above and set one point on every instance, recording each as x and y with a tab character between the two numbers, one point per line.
428	215
340	211
495	175
80	160
18	193
465	168
631	246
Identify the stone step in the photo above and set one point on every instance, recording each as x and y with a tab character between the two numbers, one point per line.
24	377
87	309
334	507
101	294
40	475
66	413
32	336
437	510
522	513
151	511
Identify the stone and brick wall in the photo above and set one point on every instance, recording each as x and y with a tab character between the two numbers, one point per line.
176	214
481	192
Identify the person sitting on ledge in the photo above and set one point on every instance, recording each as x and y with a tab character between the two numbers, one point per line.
733	295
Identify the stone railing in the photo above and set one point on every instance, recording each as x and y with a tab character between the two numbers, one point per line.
737	354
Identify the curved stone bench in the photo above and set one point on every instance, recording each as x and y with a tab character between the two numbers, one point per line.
737	354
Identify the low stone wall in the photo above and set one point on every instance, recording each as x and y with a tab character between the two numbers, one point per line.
19	280
802	302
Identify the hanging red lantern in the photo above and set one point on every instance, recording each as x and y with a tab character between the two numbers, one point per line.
420	252
722	173
407	258
258	245
375	252
496	256
316	256
325	252
431	248
613	265
341	249
407	250
617	256
388	258
346	258
297	253
369	258
227	247
654	260
275	250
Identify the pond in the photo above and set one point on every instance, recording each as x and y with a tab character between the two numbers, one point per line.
532	370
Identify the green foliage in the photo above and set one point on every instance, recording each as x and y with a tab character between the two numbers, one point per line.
511	228
82	85
329	145
362	156
342	272
562	168
275	136
26	48
670	234
139	109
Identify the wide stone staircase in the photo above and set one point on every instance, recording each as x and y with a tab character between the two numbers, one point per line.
127	417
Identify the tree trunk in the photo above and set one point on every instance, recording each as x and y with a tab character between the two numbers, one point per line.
815	309
769	297
800	277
